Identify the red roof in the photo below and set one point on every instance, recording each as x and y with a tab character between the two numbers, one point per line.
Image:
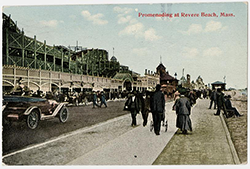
166	76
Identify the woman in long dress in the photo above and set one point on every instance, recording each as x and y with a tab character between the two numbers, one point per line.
183	110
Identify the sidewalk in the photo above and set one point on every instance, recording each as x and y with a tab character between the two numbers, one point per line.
138	146
206	145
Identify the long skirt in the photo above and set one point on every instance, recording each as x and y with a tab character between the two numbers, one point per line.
184	122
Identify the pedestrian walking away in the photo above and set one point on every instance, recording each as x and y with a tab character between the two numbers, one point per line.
157	106
134	107
220	102
213	98
95	100
191	97
183	111
146	109
103	100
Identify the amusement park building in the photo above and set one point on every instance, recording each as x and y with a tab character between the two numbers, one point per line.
168	82
40	66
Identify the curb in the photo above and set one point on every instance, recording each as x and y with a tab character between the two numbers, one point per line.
230	142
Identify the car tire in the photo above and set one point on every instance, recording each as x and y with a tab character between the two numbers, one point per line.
32	119
63	114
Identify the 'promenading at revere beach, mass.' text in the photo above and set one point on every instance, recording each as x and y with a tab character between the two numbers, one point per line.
183	14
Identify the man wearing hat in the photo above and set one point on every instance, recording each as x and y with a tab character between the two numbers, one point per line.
220	102
213	99
157	106
229	106
133	104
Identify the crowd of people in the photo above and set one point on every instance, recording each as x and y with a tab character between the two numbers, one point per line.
71	97
154	102
184	99
145	102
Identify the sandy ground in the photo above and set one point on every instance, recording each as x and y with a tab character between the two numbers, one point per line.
237	126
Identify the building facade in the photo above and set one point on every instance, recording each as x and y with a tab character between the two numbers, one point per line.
48	68
168	82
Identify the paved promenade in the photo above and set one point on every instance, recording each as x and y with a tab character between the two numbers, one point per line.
208	144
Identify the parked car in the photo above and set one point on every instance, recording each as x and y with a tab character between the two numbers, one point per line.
32	110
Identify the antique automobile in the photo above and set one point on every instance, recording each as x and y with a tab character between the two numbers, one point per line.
32	110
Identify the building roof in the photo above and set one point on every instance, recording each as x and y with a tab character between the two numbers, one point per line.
114	59
166	76
123	76
218	83
161	66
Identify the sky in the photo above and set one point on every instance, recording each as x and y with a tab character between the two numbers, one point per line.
210	47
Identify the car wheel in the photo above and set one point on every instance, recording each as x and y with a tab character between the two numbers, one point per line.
32	119
63	114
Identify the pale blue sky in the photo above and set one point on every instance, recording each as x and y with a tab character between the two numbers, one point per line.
212	47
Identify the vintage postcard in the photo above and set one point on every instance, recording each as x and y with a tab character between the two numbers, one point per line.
140	83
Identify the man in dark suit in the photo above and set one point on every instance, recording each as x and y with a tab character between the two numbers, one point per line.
157	105
133	104
95	100
213	99
220	102
103	100
229	106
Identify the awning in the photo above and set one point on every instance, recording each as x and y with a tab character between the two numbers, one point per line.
97	89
